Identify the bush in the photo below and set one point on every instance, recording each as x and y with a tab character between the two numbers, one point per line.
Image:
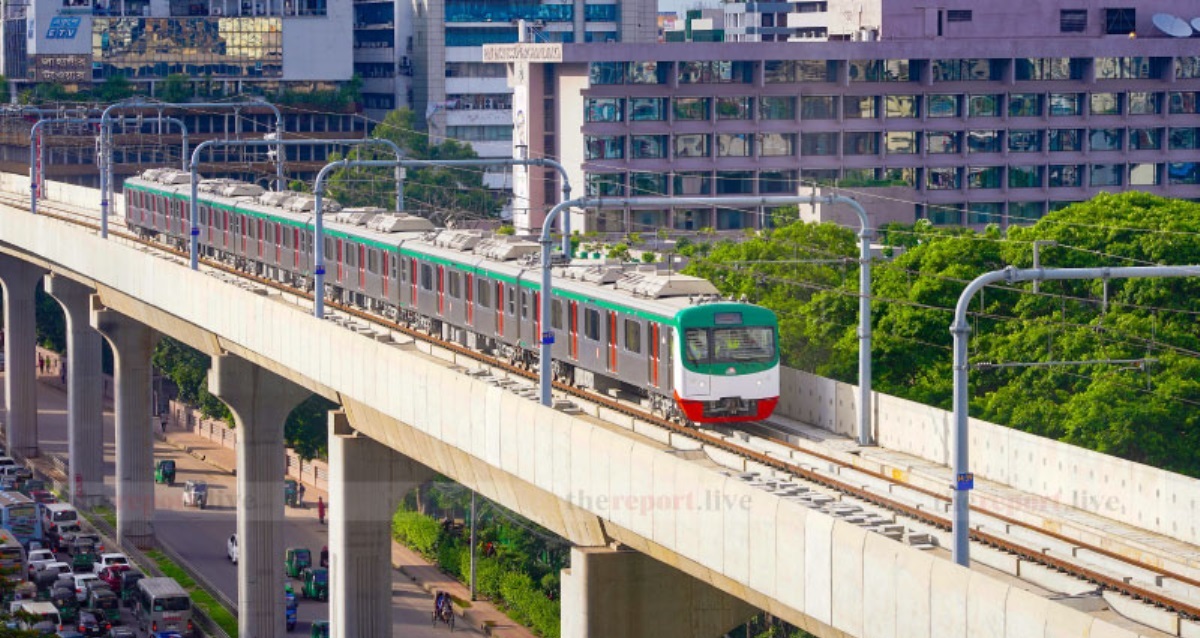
418	531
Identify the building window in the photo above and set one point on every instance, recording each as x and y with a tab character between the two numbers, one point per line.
647	146
734	144
1183	173
647	109
605	73
943	105
940	142
943	178
819	144
1024	176
983	177
1025	212
860	143
1066	139
819	107
735	108
1143	103
900	106
857	107
1025	141
648	72
777	144
735	183
604	109
966	70
983	106
716	72
1139	68
1187	68
693	183
1120	21
1065	175
597	147
605	184
958	15
1024	105
1145	139
1183	103
1106	174
879	70
1072	20
1105	139
1104	104
1027	69
1144	175
943	215
1181	139
983	142
777	182
777	108
1063	104
900	142
792	71
690	109
981	213
642	183
693	145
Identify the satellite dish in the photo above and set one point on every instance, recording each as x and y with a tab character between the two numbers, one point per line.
1172	25
1196	24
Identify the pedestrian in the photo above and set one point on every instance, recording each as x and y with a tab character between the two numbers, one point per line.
163	422
62	369
41	364
321	510
300	492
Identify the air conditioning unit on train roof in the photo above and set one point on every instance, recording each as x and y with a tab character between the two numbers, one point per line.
458	239
358	215
658	284
151	174
506	248
240	189
276	198
306	203
595	274
168	176
400	223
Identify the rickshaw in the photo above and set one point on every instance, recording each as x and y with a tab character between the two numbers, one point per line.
320	629
443	609
195	494
315	583
291	493
164	472
297	560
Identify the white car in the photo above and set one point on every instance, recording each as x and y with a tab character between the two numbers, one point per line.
114	558
81	585
6	461
231	549
37	559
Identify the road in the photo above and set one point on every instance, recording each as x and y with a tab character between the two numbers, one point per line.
199	536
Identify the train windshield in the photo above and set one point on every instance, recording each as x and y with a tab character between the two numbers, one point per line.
742	344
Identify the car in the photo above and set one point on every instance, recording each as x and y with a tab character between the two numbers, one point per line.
6	461
111	558
231	549
49	573
82	542
195	494
112	575
121	632
81	585
36	559
90	625
43	496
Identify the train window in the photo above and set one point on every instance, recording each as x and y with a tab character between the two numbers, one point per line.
524	305
455	285
633	336
203	216
483	293
271	233
512	301
696	344
373	261
426	277
351	255
591	324
328	247
285	239
556	314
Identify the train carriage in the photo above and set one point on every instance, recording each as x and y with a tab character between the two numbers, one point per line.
664	338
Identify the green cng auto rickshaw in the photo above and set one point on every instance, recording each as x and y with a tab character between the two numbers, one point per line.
320	629
315	583
291	493
164	472
297	560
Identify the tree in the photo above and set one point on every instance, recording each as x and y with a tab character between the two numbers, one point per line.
114	89
176	88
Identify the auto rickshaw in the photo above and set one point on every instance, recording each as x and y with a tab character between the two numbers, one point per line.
320	629
315	583
291	493
105	604
129	581
290	610
296	560
84	558
195	494
164	472
67	603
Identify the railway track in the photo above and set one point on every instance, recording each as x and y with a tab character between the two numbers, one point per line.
795	478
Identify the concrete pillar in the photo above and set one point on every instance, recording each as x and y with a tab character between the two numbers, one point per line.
19	279
367	479
609	592
85	392
132	343
260	402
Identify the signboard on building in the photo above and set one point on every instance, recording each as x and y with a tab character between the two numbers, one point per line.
68	68
63	28
540	52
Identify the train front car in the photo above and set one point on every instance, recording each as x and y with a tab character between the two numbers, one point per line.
726	366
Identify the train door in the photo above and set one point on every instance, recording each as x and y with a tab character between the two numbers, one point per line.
259	232
653	376
612	341
278	243
225	228
470	300
441	289
338	253
499	309
362	267
537	317
573	328
243	230
413	266
296	248
389	268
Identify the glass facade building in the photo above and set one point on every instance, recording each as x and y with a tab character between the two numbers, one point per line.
197	47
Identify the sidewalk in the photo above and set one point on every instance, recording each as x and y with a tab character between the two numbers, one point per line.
481	614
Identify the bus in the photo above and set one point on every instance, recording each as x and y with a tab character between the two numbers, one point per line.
18	514
12	556
160	604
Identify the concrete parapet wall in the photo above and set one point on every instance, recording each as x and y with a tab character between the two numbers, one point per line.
822	574
1153	499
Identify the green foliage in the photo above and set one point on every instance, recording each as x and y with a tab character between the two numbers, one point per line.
649	257
306	430
1145	415
114	89
506	229
418	531
51	322
188	369
299	186
176	88
435	189
619	251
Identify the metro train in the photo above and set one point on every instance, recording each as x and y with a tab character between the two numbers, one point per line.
634	331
